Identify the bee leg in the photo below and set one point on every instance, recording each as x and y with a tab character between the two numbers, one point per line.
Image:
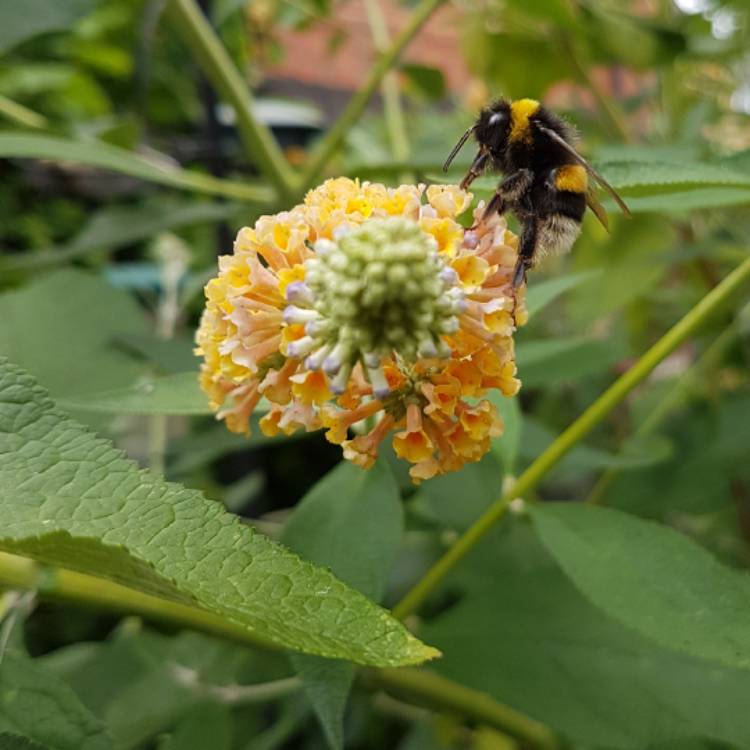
497	204
525	253
508	192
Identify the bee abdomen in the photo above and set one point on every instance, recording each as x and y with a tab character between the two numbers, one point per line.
557	233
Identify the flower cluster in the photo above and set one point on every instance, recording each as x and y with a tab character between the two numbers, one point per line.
368	310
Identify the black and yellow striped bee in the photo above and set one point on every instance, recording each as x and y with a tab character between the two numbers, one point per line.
546	181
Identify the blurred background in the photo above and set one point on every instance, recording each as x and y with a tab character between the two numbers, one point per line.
103	260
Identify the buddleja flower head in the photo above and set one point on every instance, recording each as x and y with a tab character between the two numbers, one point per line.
367	305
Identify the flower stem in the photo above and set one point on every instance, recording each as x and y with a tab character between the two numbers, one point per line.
430	689
327	147
567	440
219	69
394	113
21	115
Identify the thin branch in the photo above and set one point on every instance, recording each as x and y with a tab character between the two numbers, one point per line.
394	113
428	688
592	417
331	142
21	115
219	69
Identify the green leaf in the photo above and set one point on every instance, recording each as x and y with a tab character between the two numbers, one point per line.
209	726
456	499
62	328
649	177
117	226
638	452
160	170
652	579
38	17
424	80
169	394
545	292
36	705
70	499
527	636
507	446
545	362
352	522
14	742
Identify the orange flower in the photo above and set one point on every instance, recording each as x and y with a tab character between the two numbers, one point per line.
367	305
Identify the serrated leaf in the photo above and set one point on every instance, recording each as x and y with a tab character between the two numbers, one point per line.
37	705
648	177
38	17
634	177
547	651
96	154
169	394
70	499
652	579
352	522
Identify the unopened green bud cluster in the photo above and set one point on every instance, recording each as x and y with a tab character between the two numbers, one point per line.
380	289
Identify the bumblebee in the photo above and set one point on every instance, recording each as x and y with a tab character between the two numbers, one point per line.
546	181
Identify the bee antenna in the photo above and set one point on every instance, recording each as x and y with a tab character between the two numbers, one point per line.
458	147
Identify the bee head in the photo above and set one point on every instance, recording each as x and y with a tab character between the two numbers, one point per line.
491	131
493	127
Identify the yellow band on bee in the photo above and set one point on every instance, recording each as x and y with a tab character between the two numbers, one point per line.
573	178
520	111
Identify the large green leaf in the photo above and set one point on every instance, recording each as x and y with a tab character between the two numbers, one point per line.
18	23
70	499
62	328
352	522
527	636
36	705
651	578
543	293
169	394
102	155
546	362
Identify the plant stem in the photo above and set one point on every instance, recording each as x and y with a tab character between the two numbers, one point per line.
420	685
673	398
67	585
567	440
332	140
219	69
394	114
21	115
438	693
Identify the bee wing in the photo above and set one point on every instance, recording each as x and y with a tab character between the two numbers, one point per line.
562	142
593	203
